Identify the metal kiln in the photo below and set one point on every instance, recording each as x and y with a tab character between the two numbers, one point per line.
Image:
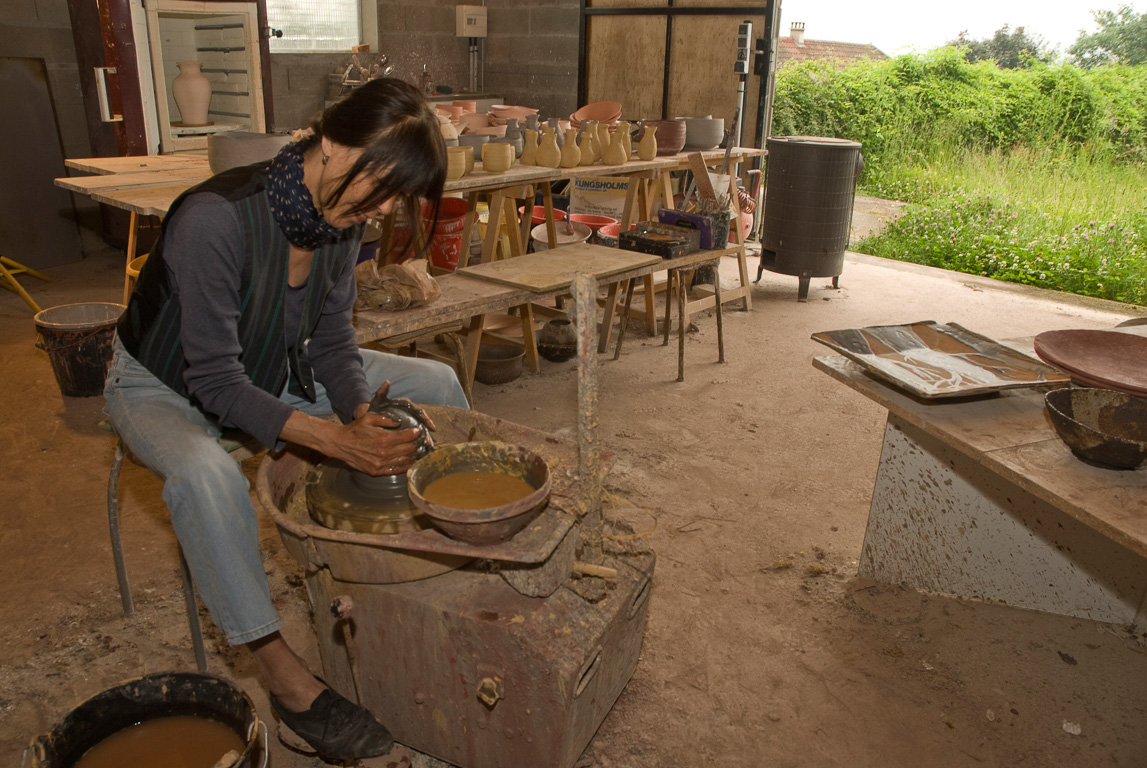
484	656
809	196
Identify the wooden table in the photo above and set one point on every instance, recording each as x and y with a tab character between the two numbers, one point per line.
467	300
978	497
143	186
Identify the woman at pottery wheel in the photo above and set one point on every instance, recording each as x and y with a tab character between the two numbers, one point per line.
241	318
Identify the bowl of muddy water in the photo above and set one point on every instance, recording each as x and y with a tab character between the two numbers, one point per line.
482	492
163	719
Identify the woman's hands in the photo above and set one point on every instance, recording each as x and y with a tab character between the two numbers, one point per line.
370	443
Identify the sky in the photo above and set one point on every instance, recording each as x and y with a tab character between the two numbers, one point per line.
899	26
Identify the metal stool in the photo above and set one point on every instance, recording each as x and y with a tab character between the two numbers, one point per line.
240	447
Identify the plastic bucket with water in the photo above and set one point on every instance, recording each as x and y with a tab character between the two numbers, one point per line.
446	240
135	701
78	339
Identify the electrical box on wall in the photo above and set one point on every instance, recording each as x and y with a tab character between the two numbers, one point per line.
471	20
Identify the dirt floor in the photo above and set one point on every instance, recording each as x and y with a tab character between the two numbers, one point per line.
752	480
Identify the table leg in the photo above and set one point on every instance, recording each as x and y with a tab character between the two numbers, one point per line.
607	318
468	228
624	317
669	287
470	356
510	215
132	222
548	202
529	340
493	226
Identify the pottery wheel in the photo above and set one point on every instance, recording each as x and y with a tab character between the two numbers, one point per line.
344	499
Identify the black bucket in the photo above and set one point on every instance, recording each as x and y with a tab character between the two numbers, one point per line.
78	339
146	698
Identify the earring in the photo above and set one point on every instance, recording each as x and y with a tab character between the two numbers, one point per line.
325	158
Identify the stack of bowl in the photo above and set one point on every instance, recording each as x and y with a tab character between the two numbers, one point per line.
593	221
702	133
499	112
607	112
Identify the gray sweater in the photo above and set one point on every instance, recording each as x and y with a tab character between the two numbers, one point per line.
204	255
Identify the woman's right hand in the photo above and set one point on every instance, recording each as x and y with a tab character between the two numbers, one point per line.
371	444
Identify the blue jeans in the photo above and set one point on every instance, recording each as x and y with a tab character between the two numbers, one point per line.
205	489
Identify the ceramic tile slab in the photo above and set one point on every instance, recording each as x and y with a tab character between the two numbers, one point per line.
554	269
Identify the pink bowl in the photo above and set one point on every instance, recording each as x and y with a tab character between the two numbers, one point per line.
601	111
468	106
539	216
593	221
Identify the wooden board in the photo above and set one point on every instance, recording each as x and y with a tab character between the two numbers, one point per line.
88	184
138	164
551	270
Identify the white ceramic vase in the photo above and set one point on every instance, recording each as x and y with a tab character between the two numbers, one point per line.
192	93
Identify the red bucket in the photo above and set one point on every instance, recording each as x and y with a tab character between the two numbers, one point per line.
539	215
446	240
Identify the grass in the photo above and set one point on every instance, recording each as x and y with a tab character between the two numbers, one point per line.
1055	219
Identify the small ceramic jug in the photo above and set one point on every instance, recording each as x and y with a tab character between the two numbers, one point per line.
529	147
553	123
571	154
647	149
548	156
586	147
532	122
616	154
604	139
623	130
514	135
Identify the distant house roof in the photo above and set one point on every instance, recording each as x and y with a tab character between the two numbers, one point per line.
796	48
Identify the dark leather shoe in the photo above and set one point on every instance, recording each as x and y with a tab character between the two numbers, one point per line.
337	729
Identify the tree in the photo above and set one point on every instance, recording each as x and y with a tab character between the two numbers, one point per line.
1009	49
1121	39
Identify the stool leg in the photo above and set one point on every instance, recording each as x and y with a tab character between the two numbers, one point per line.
720	324
192	614
681	327
113	529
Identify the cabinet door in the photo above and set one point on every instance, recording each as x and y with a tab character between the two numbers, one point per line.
102	31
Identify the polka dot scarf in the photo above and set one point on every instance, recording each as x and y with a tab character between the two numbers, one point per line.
291	202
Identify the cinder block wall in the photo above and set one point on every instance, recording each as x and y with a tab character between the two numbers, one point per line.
530	56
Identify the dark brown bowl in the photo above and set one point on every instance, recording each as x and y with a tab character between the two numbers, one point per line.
499	363
492	525
1100	426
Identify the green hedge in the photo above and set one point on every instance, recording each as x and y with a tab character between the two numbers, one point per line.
926	103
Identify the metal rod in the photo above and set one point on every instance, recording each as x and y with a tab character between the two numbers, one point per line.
203	27
113	526
193	622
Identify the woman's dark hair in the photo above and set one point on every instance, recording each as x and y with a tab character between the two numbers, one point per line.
400	139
